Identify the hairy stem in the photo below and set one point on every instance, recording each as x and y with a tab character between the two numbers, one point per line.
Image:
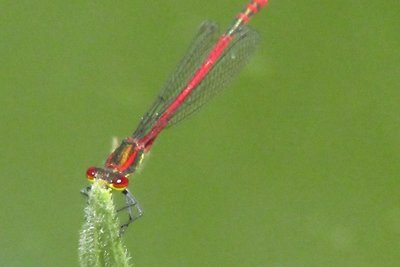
100	243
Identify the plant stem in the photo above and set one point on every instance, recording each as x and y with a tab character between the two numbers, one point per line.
100	243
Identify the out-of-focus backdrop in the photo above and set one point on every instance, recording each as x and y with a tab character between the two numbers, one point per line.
295	164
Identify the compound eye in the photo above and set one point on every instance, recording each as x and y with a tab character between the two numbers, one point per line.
120	182
91	173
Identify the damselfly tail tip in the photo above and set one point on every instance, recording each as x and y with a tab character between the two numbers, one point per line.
261	3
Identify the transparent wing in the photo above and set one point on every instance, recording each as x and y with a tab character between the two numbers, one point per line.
225	70
198	51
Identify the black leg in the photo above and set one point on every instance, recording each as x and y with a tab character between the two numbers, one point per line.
85	190
131	202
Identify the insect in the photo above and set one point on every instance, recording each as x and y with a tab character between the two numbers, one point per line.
210	63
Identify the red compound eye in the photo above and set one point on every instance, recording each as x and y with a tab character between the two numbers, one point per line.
91	173
120	182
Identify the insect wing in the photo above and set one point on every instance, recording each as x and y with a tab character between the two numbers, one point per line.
198	51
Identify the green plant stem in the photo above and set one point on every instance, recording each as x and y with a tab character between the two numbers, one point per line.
100	243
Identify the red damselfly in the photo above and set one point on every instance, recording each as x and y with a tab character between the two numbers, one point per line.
210	63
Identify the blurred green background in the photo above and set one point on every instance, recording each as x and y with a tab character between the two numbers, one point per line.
296	164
